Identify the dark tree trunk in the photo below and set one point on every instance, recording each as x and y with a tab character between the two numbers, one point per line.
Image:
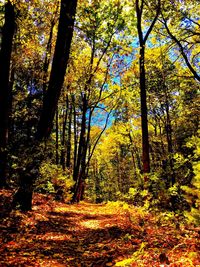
68	144
23	196
59	65
79	190
168	127
133	155
97	182
142	41
119	177
169	138
144	120
10	121
75	136
81	140
63	139
80	168
57	137
5	94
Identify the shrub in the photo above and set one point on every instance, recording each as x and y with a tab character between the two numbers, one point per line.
54	180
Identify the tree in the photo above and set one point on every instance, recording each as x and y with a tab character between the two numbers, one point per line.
23	196
97	28
162	89
59	65
5	90
142	42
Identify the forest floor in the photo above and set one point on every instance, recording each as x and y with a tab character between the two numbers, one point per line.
55	234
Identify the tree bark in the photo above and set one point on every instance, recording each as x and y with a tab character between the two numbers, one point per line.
5	93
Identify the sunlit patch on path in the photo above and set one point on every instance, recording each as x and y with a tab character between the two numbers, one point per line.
91	224
52	236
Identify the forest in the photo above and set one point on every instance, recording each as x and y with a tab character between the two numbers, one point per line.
99	133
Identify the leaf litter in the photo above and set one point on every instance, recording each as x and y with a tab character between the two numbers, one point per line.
56	234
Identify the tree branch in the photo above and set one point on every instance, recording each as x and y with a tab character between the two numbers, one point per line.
153	22
191	68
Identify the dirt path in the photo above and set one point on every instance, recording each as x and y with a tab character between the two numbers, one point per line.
57	234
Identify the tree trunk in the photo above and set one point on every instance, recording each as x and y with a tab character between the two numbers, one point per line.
133	155
5	94
144	120
97	182
79	191
80	168
68	144
142	41
57	137
168	125
169	139
23	197
63	139
59	65
75	136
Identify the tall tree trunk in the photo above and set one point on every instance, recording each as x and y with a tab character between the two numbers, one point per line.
97	182
23	196
11	128
80	168
168	125
63	139
75	137
68	144
118	169
169	139
133	155
57	137
59	65
144	119
5	94
142	41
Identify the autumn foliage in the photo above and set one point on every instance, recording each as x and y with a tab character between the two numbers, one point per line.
99	133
